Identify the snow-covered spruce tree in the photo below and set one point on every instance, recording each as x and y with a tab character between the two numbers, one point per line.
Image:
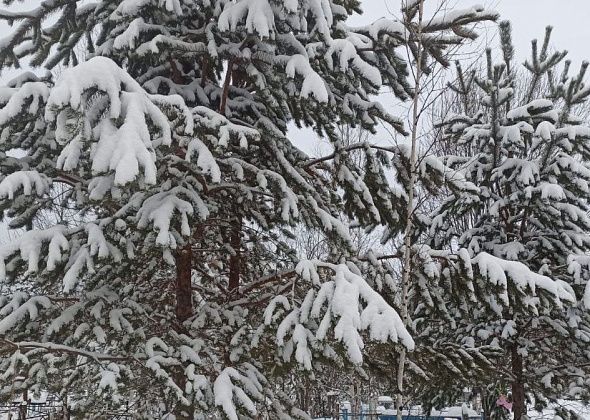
517	279
173	290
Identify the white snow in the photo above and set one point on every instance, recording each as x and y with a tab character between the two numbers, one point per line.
126	148
17	309
28	181
14	100
159	210
313	84
498	272
257	16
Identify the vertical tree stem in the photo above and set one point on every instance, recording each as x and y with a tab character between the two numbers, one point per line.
226	84
235	260
518	391
407	258
184	293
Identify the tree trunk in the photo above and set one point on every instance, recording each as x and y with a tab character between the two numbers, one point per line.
184	292
518	394
235	262
184	310
65	409
226	84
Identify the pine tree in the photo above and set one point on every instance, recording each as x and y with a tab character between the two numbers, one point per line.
515	279
176	289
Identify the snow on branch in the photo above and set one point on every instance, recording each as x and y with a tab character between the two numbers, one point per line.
499	272
124	149
456	20
234	389
14	311
579	267
538	108
289	201
109	376
132	7
60	348
98	73
159	210
28	181
313	84
29	246
28	98
345	303
347	53
96	247
205	160
381	27
221	129
125	142
158	360
256	15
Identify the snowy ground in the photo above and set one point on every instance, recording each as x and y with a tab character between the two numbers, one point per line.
549	414
580	409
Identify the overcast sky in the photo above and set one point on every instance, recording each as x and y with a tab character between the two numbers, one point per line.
570	19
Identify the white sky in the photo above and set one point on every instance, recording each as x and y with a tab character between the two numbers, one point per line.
529	19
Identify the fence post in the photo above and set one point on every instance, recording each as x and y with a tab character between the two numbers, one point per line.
22	410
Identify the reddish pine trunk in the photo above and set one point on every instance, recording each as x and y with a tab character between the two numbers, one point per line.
184	293
518	394
184	310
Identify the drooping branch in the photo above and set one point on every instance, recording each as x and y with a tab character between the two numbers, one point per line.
350	148
60	348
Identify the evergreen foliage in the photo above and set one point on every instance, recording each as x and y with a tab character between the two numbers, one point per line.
515	280
175	289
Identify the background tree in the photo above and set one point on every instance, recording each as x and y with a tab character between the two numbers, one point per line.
525	230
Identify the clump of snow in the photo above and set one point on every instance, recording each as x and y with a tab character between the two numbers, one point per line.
345	303
28	181
121	147
498	272
313	84
257	15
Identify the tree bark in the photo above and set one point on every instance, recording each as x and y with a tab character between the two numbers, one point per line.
184	294
184	310
235	260
484	405
226	85
518	392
